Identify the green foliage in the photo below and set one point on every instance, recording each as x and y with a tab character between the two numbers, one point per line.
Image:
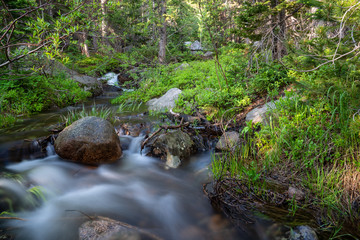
38	193
204	88
27	94
101	112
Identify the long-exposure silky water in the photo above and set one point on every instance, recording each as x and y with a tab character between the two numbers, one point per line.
137	191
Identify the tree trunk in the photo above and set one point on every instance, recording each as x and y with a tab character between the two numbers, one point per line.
82	36
103	19
278	25
282	33
274	18
162	33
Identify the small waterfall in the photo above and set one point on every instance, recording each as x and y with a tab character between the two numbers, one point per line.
135	144
50	150
112	79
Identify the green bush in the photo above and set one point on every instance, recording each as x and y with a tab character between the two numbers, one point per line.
34	93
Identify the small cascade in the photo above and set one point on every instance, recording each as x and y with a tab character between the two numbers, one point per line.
135	144
50	150
111	78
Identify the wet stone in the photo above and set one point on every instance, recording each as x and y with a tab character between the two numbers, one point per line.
90	140
303	233
106	229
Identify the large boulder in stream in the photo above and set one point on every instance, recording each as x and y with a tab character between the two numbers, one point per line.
173	147
90	140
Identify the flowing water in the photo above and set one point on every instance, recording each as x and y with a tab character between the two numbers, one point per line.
137	190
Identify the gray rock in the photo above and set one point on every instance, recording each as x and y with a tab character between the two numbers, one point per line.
208	54
174	147
228	141
259	114
88	83
303	233
187	44
90	140
165	102
105	229
182	66
296	194
196	46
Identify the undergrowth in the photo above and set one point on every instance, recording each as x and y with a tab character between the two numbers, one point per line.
204	87
27	93
312	142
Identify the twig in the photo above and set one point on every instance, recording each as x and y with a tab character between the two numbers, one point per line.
13	218
324	63
342	23
91	218
165	127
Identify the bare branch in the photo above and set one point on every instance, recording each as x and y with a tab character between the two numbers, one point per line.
342	24
12	24
332	60
24	55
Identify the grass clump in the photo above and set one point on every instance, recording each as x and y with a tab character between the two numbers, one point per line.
312	142
101	112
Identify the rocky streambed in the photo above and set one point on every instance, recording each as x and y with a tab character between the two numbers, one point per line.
152	189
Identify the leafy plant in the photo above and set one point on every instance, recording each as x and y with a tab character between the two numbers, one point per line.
30	93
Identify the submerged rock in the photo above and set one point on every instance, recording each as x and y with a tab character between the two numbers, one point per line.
228	141
90	140
303	233
105	229
165	102
174	147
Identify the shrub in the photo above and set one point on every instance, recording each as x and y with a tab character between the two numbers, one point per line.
34	93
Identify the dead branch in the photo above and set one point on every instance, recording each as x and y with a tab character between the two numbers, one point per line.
342	25
24	55
13	218
165	127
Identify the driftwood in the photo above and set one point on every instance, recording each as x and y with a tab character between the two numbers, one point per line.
165	127
13	218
